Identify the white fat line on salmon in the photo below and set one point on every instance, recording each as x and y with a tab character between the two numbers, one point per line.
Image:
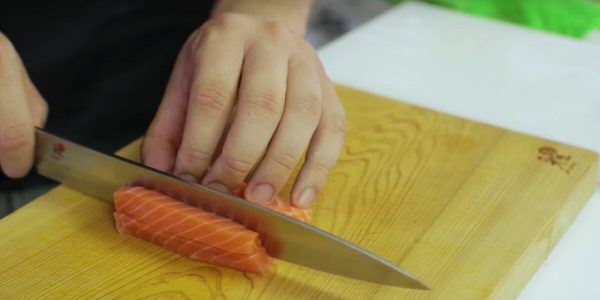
148	224
191	209
222	228
194	228
231	238
250	258
142	203
150	211
195	213
129	200
225	227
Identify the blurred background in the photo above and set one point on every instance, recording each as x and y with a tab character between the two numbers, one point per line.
332	18
575	18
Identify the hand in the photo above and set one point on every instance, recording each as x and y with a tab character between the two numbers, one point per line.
21	108
257	89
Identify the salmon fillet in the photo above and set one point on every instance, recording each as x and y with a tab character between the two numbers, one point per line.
193	232
281	206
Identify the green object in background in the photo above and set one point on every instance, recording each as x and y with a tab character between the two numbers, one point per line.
574	18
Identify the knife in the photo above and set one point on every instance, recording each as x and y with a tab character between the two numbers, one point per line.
99	175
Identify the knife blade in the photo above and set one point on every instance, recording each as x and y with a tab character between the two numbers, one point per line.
99	175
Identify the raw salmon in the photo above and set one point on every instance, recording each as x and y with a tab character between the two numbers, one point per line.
193	232
281	206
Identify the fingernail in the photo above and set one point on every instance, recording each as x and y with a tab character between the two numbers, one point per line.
188	178
307	197
261	193
219	187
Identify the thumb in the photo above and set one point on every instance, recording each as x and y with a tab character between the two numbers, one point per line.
16	118
37	105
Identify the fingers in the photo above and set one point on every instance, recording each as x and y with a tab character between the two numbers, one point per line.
16	123
300	118
261	103
163	136
324	149
212	95
284	102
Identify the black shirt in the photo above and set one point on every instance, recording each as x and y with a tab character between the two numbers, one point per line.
101	65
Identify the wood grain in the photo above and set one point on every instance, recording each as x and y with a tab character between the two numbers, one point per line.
471	209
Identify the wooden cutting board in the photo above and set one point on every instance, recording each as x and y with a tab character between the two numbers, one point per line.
471	209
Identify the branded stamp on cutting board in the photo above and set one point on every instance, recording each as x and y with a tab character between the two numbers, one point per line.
551	156
471	209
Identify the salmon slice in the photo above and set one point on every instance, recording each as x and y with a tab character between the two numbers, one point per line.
281	206
188	230
194	232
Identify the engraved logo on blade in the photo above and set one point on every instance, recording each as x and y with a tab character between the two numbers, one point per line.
57	151
551	156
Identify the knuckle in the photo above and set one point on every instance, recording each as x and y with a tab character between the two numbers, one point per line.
277	31
321	167
238	166
228	20
212	100
303	61
338	124
16	138
337	127
308	49
207	35
265	104
194	156
215	29
309	104
197	38
285	160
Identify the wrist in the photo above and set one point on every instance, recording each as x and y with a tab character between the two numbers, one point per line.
293	14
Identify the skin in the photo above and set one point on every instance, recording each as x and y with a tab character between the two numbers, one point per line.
21	108
246	99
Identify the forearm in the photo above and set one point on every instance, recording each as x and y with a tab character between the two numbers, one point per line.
293	13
